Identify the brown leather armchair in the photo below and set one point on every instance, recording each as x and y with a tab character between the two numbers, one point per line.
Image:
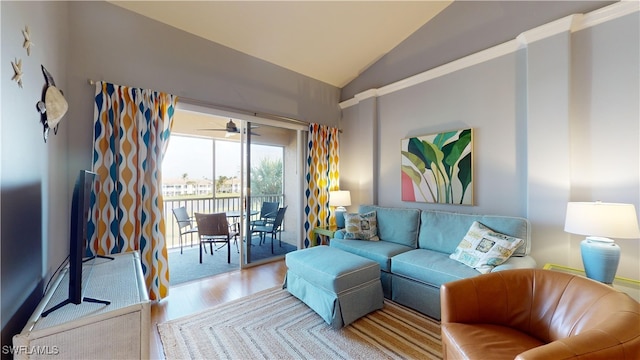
537	314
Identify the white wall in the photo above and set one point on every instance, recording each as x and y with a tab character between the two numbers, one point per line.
358	175
547	123
555	119
605	123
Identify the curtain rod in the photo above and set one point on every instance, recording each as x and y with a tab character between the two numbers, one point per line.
233	109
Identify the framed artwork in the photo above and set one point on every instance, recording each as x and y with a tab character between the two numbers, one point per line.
438	168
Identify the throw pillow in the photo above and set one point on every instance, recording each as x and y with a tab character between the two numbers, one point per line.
483	249
361	226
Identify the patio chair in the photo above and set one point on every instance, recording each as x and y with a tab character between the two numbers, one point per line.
271	228
214	229
185	224
268	213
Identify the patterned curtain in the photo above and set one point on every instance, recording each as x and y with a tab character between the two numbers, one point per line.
322	176
131	133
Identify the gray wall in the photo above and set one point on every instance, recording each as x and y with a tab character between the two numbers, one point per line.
34	180
555	118
461	29
96	40
481	97
119	46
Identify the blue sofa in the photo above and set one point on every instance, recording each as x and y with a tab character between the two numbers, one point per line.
414	248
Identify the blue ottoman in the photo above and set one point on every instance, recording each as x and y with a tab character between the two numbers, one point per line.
341	287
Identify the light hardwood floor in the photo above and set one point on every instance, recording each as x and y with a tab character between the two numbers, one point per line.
195	296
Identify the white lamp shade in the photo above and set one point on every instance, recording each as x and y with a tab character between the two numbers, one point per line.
340	198
611	220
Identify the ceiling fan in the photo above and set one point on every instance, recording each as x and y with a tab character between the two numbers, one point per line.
232	129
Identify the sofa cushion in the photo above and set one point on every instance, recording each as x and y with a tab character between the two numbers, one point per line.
361	226
378	251
430	267
397	225
483	249
442	231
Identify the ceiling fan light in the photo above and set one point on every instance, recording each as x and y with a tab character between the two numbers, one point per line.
231	127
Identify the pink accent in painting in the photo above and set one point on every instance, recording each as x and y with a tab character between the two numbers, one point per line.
407	188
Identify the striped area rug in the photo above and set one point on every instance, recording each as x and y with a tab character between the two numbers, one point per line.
273	324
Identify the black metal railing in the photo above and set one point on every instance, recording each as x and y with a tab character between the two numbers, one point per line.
199	204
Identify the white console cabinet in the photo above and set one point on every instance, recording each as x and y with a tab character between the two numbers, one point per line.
88	330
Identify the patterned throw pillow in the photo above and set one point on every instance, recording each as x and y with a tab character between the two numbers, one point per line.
483	249
361	226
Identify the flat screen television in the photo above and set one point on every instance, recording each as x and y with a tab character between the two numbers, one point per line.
78	242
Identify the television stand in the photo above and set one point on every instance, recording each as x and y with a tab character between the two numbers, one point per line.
71	331
68	301
98	257
87	299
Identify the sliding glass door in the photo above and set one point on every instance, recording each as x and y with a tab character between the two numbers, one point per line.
272	193
213	164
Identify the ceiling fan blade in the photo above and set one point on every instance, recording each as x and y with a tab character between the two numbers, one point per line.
232	129
233	133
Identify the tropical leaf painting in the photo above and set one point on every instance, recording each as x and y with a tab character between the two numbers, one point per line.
438	168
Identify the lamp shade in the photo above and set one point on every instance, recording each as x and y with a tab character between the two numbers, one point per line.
340	198
602	219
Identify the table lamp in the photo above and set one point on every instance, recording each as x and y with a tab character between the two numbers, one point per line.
599	221
340	199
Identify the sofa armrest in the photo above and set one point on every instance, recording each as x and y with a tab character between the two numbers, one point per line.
339	234
517	262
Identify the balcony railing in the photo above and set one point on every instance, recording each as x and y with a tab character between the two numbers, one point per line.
200	204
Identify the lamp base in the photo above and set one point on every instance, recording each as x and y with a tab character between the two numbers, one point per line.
340	211
600	257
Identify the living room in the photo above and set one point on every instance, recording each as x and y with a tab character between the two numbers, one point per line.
554	109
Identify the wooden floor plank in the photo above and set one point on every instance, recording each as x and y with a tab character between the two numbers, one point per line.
188	298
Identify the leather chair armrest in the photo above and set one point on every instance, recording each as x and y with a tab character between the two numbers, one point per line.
493	298
595	344
459	301
552	350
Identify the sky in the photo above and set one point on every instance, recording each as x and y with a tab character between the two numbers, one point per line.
194	156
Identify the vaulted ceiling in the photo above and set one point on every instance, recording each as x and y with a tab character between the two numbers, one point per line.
335	41
330	41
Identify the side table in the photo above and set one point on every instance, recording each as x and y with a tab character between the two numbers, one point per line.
326	231
629	286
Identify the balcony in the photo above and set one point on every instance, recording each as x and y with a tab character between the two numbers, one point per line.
209	204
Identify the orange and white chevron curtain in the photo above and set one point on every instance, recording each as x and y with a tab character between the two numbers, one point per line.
131	132
322	176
